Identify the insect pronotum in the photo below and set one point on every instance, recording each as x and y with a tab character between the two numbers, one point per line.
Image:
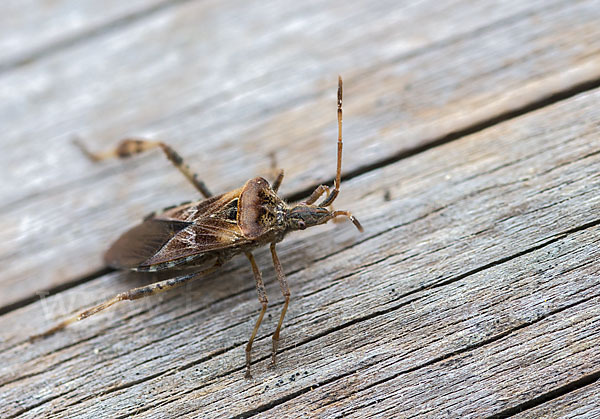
215	229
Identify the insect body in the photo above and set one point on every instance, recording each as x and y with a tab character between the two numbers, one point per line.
214	230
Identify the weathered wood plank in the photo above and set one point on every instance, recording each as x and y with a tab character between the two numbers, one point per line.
485	381
583	402
423	79
484	247
30	28
151	93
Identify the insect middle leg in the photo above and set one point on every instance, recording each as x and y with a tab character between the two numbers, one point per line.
131	146
133	294
262	297
285	290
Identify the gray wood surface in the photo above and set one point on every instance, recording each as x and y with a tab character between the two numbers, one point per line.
471	147
412	78
581	402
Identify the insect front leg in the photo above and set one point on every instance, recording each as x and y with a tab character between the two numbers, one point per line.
278	173
317	193
131	146
321	189
262	297
133	294
277	182
285	290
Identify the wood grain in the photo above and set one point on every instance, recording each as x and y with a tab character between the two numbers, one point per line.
471	158
31	29
473	290
413	77
583	402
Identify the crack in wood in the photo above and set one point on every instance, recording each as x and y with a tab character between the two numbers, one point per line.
35	405
536	305
550	395
523	406
55	290
477	127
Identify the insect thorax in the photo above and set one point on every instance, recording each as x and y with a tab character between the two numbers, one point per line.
261	213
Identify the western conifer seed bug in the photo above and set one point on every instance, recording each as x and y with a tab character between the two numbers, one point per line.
214	230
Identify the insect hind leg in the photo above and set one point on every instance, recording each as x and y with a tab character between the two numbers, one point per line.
132	294
132	146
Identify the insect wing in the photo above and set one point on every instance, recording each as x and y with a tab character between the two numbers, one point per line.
180	235
142	242
203	236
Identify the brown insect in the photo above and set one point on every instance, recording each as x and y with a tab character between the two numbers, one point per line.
214	229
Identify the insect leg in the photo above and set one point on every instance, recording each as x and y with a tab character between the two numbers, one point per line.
262	297
285	290
278	173
131	146
132	294
278	180
321	189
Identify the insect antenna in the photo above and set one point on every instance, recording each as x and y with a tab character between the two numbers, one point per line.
336	187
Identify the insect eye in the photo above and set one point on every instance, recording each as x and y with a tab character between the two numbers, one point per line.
301	225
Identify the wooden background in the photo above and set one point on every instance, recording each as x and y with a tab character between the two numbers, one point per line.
472	158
